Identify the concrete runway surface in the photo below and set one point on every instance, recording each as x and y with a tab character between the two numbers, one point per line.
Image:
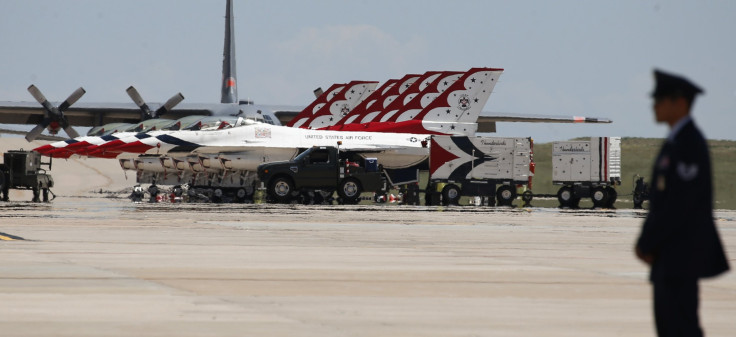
95	266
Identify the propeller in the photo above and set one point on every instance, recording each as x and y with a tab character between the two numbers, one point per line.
54	118
146	112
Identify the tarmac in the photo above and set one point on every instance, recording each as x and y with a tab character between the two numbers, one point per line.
96	264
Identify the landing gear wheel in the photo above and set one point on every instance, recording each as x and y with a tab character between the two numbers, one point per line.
599	196
280	190
566	197
349	190
506	195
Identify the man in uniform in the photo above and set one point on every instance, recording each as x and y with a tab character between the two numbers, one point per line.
679	239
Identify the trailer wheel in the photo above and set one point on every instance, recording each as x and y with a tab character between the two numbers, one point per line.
280	189
349	191
612	195
599	197
566	197
506	195
450	195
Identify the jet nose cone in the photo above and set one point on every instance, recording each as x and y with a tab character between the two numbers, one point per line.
134	147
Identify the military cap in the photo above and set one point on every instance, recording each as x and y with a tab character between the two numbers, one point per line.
668	85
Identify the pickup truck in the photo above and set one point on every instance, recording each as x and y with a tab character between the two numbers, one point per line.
323	168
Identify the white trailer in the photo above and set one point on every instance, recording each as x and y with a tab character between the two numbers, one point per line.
473	166
587	168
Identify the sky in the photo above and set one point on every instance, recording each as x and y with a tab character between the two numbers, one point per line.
577	58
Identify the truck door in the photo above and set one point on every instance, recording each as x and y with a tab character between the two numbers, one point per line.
319	169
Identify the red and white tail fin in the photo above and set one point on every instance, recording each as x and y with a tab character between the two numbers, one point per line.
456	110
442	81
316	105
375	109
340	105
376	96
412	91
453	112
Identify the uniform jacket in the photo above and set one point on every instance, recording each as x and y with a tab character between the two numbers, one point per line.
679	230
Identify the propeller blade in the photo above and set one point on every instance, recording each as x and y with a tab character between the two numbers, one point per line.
135	96
71	132
35	132
41	99
138	100
73	98
170	104
37	94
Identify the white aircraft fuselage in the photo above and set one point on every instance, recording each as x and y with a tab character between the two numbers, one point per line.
247	146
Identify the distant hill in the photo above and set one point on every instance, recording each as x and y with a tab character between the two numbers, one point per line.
638	156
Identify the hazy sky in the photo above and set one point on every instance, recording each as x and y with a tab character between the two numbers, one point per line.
589	58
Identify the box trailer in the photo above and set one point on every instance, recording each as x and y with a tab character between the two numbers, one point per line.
474	166
587	168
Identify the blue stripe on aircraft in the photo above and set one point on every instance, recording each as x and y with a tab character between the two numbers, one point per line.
176	141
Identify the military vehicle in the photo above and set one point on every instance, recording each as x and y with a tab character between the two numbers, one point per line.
21	170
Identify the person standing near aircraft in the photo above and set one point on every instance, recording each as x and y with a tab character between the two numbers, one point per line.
679	239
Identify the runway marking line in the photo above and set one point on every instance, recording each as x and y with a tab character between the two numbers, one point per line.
8	237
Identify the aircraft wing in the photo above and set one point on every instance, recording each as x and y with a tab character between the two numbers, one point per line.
94	114
23	133
487	123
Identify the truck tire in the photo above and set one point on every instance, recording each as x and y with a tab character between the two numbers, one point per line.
566	197
599	196
280	189
349	190
506	194
450	195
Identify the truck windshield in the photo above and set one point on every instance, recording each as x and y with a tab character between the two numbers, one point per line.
314	155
